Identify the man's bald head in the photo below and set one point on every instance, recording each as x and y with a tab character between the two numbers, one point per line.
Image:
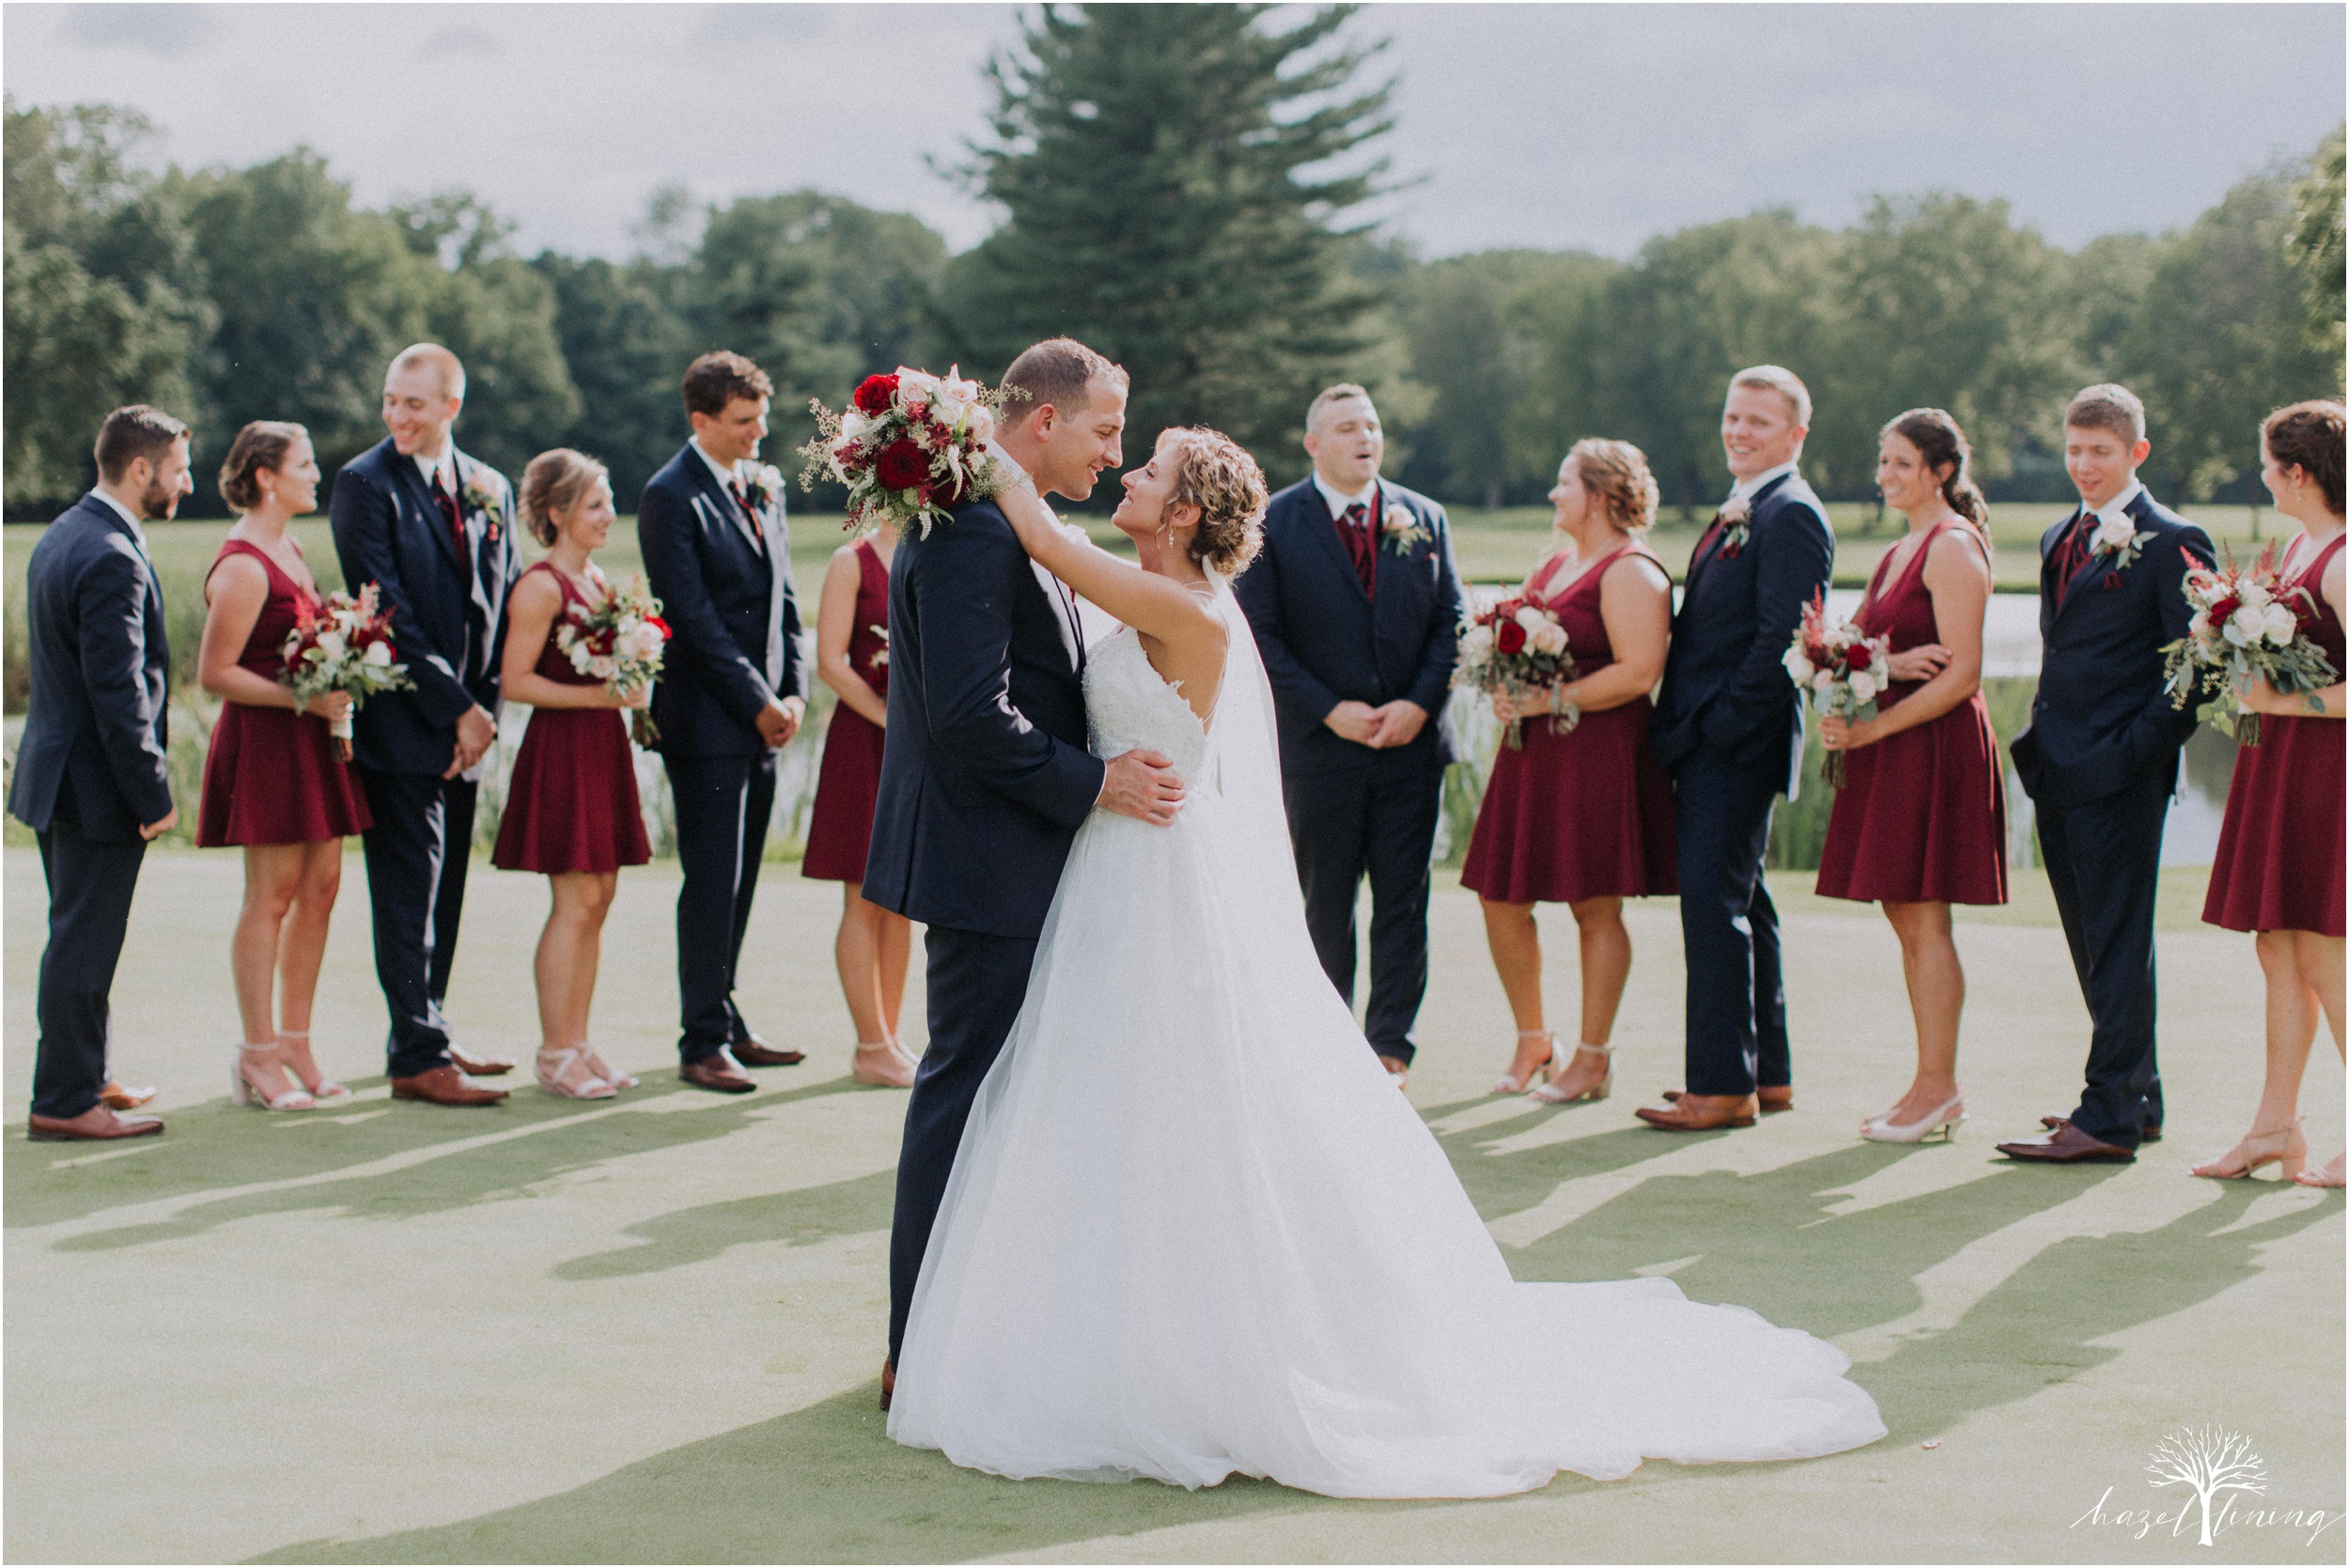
447	370
423	392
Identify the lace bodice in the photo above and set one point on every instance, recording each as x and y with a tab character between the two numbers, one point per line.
1129	704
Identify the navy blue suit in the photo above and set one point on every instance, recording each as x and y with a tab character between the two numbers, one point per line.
2100	761
984	782
1353	811
89	774
1728	726
723	574
448	627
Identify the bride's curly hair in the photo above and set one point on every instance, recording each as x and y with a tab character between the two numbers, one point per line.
1215	474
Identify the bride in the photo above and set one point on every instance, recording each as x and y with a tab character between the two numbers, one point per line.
1192	1231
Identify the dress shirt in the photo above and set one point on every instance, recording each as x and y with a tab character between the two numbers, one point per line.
138	533
1338	502
2117	507
1753	486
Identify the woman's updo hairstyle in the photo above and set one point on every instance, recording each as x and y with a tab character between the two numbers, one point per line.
1215	474
1940	442
2309	436
1617	473
555	482
261	447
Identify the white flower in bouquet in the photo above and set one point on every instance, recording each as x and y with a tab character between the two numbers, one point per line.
854	425
604	667
1476	643
1863	687
332	644
1531	619
638	642
1799	667
378	653
915	386
2246	627
2280	625
1549	637
1822	681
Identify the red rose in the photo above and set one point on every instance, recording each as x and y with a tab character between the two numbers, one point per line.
901	465
874	394
1510	638
2223	609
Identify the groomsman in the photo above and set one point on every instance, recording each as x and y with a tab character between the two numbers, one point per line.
1355	602
1728	726
732	693
434	528
2100	759
90	779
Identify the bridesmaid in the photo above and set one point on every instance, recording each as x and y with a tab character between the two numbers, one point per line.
572	809
1920	821
2278	870
275	780
1582	815
872	949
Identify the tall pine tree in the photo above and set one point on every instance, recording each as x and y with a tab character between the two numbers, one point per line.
1178	179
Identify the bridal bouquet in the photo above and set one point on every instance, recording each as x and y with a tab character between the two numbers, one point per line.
1841	671
2247	622
344	646
1516	649
620	643
910	445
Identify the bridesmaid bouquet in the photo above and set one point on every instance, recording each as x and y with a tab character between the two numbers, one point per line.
620	643
1517	648
344	646
910	445
2247	622
1841	671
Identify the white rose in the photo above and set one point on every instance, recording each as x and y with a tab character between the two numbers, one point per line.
1797	666
2280	625
1822	681
1863	687
604	667
854	425
2243	628
916	386
640	642
332	646
578	656
1531	619
1549	639
2112	533
378	653
1477	643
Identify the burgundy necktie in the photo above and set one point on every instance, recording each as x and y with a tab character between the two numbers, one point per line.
2073	554
1361	544
455	514
742	498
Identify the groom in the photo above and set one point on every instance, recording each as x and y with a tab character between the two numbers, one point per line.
987	778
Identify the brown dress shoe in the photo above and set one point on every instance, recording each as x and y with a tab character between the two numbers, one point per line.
1773	1096
752	1051
479	1067
1700	1112
889	1381
121	1097
98	1123
2149	1133
719	1071
444	1085
2065	1144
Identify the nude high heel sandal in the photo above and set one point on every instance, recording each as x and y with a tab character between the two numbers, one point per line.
243	1091
565	1072
604	1070
322	1088
2285	1148
1549	1093
881	1064
1509	1083
1943	1120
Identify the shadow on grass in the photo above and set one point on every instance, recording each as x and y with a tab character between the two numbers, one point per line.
450	1158
800	1217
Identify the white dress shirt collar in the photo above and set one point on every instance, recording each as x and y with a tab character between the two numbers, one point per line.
123	512
729	474
439	474
1338	502
2119	505
1753	486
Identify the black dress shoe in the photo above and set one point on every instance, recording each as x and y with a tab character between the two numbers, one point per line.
752	1051
2149	1133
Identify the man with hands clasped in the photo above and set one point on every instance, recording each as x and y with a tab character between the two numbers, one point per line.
1355	602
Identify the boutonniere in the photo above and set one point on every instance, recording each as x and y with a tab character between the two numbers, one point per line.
1737	523
2123	538
484	494
1402	529
763	484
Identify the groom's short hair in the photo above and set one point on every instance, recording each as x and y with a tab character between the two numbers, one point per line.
1059	371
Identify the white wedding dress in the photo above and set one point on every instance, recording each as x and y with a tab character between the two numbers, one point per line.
1194	1230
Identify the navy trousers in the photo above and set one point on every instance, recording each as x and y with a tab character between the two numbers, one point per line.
1737	997
416	853
1379	822
722	807
90	884
976	984
2104	865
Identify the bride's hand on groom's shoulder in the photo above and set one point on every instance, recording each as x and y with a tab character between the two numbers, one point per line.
1142	784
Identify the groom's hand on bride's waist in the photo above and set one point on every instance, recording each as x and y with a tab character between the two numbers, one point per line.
1142	784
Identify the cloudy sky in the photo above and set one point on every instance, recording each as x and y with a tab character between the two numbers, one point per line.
1591	125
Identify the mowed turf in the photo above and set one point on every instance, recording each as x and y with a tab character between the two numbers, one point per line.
649	1329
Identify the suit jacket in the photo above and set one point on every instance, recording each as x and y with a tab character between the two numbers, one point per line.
95	726
1725	683
734	620
448	611
985	777
1326	641
2100	717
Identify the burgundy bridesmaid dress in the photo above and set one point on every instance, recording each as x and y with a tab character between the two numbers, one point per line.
272	775
840	829
571	804
2279	861
1921	817
1587	813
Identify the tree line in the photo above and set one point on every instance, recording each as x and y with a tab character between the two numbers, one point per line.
1181	187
